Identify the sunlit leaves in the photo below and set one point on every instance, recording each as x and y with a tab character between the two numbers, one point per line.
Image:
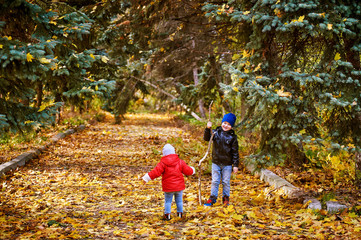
89	185
29	57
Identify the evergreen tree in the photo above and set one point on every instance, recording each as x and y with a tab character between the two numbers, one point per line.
42	52
299	70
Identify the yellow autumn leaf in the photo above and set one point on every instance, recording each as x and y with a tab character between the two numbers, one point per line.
351	145
237	217
245	53
1	46
44	60
300	19
352	215
251	214
220	214
55	66
329	26
42	108
142	231
303	131
230	208
235	57
277	11
258	67
281	93
29	57
337	57
235	89
117	233
246	12
92	56
105	59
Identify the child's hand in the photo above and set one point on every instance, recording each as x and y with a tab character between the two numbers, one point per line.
235	169
146	178
209	125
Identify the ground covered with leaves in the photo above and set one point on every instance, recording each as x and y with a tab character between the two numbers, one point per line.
87	186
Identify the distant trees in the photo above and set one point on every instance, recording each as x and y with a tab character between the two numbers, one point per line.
294	68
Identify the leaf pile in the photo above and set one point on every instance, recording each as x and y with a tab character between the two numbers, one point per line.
88	186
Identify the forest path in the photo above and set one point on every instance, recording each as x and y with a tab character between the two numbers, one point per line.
87	186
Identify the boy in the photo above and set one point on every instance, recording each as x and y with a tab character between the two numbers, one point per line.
224	156
172	168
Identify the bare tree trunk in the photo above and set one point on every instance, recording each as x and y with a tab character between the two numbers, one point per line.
244	107
216	75
354	58
200	101
358	169
196	81
39	94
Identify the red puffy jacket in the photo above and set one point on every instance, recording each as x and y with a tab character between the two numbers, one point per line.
172	168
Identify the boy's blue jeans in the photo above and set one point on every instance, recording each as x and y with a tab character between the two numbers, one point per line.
221	173
178	196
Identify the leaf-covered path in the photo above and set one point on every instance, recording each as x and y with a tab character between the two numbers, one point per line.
87	187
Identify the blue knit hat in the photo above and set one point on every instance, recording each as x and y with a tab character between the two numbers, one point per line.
168	149
230	118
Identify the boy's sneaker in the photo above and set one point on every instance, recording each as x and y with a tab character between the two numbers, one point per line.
166	217
180	214
212	200
225	200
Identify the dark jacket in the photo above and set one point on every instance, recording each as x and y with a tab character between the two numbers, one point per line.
171	168
225	146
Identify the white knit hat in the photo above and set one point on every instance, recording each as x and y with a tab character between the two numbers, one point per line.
168	149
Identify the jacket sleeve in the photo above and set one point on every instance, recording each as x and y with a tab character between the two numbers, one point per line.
187	170
157	171
207	134
235	154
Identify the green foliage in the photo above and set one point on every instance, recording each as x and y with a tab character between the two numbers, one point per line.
73	121
298	67
329	196
44	56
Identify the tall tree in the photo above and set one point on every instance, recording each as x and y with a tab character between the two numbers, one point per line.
296	72
42	52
